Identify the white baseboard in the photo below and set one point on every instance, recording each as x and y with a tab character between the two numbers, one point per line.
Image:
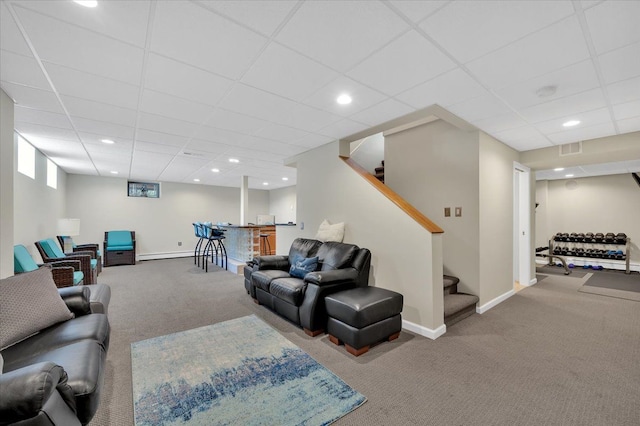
424	331
166	255
490	304
534	281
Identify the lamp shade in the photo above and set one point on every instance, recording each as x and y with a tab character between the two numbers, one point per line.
69	227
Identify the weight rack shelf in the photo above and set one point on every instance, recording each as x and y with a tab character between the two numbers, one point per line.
592	246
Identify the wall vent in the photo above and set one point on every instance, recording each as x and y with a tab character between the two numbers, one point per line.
571	149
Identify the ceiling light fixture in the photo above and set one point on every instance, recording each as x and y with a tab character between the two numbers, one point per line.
285	178
234	160
114	172
344	99
107	141
546	91
558	169
196	180
87	3
265	183
215	170
569	175
571	123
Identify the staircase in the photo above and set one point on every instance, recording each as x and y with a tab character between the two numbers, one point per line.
457	306
380	173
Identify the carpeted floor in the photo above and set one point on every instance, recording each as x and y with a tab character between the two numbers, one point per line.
549	355
614	284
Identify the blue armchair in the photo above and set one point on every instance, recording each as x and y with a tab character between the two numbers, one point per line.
51	252
66	273
93	248
119	248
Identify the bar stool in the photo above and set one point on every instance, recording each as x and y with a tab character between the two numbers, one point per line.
199	232
215	237
265	245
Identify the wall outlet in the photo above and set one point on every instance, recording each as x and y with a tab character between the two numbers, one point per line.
447	212
301	225
179	243
458	211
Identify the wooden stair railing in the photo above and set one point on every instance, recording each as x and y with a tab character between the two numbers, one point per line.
405	206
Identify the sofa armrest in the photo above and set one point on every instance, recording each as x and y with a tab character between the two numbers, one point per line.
78	299
335	276
28	391
272	262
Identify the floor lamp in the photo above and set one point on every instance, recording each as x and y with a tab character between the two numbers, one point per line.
68	228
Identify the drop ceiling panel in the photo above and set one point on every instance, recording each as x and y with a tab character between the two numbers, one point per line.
102	128
149	163
77	48
92	87
362	96
590	132
60	147
343	128
257	103
613	24
342	35
33	98
206	146
549	49
229	120
27	130
29	115
417	10
627	110
382	112
281	133
184	81
598	116
99	111
161	138
479	108
472	29
125	21
11	38
629	125
283	71
21	70
162	124
307	118
180	31
406	62
452	87
180	168
523	137
261	16
157	147
313	141
96	140
500	123
620	64
177	108
624	91
585	101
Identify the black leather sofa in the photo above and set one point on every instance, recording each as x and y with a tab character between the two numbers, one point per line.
54	377
341	266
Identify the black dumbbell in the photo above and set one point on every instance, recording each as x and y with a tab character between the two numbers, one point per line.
588	238
621	238
599	237
609	237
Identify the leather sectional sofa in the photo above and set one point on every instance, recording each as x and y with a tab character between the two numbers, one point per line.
54	377
340	267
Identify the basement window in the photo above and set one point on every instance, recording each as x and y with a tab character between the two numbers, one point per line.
143	189
52	174
26	158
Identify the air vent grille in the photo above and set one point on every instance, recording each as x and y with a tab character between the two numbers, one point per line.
571	149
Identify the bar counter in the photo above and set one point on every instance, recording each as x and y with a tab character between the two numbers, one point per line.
243	241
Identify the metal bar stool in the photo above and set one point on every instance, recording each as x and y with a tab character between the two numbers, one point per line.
199	232
215	244
265	245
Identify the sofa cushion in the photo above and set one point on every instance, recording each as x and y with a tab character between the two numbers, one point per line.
30	303
302	266
304	248
262	279
329	232
334	255
291	290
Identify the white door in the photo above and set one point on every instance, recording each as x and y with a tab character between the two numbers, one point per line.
522	225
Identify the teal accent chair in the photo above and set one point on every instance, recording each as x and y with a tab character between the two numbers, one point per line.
119	248
51	252
93	248
66	273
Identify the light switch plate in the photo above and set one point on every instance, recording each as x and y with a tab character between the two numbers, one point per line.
458	211
447	212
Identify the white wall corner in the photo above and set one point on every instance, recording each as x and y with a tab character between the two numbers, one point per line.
490	304
424	331
533	281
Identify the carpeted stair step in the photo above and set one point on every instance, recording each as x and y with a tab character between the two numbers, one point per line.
458	306
450	284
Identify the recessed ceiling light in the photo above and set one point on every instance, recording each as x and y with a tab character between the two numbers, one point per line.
344	99
87	3
109	141
569	175
285	178
546	91
265	183
234	160
571	123
558	169
114	172
196	180
215	170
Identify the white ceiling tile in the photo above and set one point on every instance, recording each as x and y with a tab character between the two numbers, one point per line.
59	147
111	161
307	118
586	4
181	167
479	108
184	81
124	20
627	110
362	97
313	141
342	35
417	10
102	128
22	70
281	133
406	62
343	128
585	101
573	79
83	85
33	98
99	111
206	146
160	138
28	115
31	131
522	138
382	112
621	64
256	103
229	120
180	31
500	123
81	49
472	29
95	140
629	125
450	88
261	16
157	147
585	133
146	164
11	38
165	125
226	137
283	71
587	119
170	106
613	24
552	48
624	91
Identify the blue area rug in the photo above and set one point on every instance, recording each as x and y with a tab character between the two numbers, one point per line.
239	372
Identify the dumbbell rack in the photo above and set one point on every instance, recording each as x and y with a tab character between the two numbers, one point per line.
593	245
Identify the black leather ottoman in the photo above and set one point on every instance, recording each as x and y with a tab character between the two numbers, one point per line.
362	317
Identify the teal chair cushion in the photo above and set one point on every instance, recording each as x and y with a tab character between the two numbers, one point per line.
51	248
119	238
94	263
22	260
78	276
119	248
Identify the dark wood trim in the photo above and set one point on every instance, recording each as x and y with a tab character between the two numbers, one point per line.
415	214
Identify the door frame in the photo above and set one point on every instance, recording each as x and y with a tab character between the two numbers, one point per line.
522	229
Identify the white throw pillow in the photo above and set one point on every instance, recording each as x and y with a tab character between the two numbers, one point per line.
329	232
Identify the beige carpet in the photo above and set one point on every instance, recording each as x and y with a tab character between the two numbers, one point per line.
549	355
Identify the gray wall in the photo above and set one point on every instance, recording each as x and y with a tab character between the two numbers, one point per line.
283	204
7	147
102	204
